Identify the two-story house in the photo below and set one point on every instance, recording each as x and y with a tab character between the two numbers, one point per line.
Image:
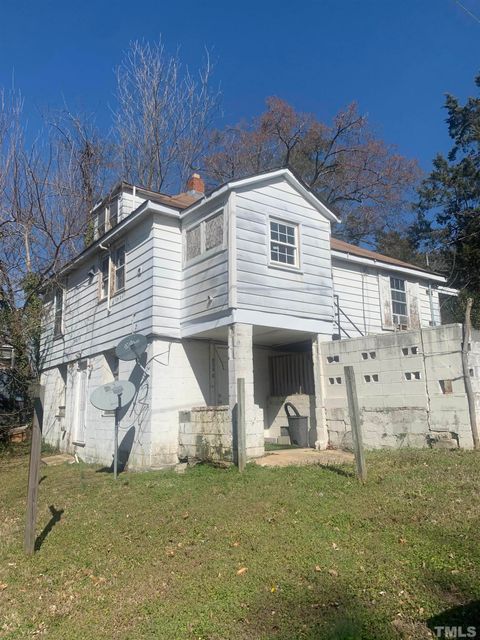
242	283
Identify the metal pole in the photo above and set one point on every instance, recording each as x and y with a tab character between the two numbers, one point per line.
355	422
115	444
37	392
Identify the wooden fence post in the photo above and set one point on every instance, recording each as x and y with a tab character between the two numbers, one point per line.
472	409
355	422
241	427
38	393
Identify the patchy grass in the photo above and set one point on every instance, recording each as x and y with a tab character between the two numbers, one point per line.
281	554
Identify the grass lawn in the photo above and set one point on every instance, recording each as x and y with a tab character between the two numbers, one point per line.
284	554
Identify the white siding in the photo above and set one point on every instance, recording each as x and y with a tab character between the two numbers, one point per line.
167	276
303	293
89	326
205	279
358	291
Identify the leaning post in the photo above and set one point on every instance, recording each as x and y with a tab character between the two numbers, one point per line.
355	422
37	392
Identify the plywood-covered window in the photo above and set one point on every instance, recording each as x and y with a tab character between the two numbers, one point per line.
205	237
214	231
283	243
193	241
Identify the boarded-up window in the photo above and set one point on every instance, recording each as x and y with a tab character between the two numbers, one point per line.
214	232
291	374
194	242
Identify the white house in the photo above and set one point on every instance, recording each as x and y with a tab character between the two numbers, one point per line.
245	282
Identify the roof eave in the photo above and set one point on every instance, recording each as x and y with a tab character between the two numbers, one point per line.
245	182
350	257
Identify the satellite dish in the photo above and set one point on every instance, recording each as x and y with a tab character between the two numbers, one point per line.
131	347
113	395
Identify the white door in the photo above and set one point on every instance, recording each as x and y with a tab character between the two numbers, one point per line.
79	403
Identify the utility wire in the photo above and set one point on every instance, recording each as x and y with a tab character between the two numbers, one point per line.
467	11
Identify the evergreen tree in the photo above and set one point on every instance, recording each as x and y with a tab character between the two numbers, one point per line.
449	202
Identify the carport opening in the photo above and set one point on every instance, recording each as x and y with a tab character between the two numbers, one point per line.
291	383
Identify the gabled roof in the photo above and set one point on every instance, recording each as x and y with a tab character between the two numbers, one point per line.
284	173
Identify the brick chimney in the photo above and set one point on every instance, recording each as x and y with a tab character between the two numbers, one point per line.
195	185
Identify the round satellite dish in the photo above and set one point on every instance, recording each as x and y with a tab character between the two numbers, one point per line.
106	397
131	347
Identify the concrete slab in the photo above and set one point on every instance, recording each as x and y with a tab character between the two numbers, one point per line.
61	458
286	457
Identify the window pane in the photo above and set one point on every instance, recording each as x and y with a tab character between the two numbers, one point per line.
193	239
105	266
119	278
283	247
214	232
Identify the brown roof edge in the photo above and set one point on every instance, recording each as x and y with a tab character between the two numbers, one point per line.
345	247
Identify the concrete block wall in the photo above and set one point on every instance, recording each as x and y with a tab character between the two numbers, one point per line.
240	365
180	381
134	430
205	433
398	378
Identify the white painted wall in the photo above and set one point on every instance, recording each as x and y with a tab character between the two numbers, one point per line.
357	287
205	278
89	326
305	293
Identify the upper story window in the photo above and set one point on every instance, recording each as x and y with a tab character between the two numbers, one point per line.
113	210
112	273
207	236
58	301
104	277
119	269
106	218
284	243
399	301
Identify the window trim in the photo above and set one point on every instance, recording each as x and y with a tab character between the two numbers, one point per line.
112	273
104	259
284	265
204	254
59	332
392	301
113	269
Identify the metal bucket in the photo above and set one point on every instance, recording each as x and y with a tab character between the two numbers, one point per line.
297	426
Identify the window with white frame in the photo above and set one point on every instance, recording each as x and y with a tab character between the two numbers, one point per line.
119	269
284	243
399	301
58	300
104	277
206	236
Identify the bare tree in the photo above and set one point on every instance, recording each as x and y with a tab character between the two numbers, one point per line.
163	116
361	177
